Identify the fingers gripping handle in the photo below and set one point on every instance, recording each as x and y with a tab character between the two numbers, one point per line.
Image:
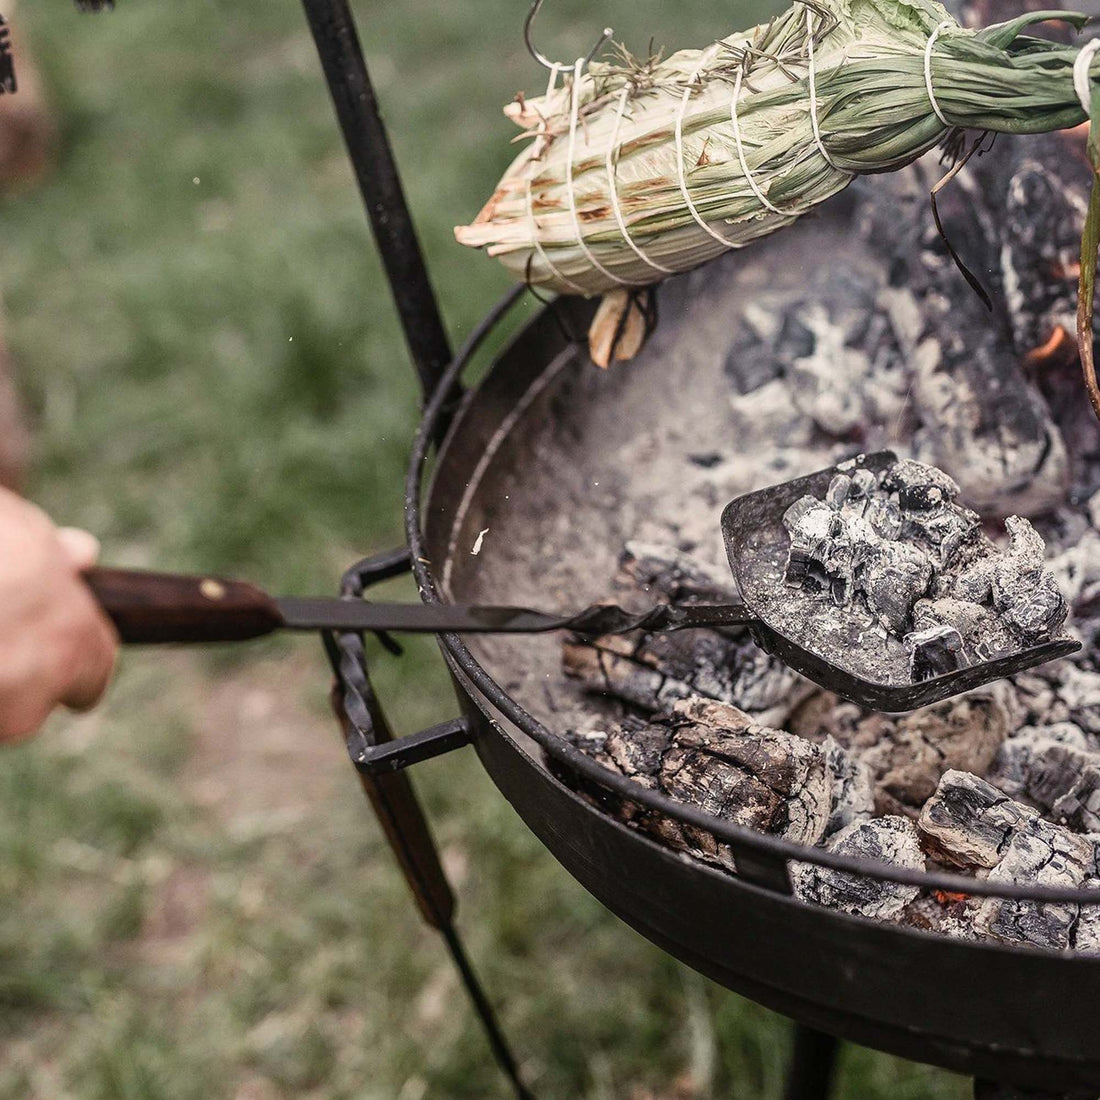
165	607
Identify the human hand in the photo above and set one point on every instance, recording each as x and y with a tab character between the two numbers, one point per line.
56	645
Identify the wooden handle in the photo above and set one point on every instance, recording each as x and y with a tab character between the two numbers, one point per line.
168	607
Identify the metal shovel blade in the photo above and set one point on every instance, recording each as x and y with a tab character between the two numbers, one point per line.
852	660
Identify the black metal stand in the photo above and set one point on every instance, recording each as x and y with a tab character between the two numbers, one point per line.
380	185
810	1074
366	732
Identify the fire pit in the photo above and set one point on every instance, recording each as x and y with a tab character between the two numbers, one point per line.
523	460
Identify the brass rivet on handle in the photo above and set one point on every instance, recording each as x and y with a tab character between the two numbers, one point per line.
212	589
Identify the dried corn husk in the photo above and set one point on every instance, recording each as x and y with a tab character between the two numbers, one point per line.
636	170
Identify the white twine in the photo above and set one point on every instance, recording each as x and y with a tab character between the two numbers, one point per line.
612	189
551	85
680	160
928	71
812	81
539	250
570	190
1081	83
741	148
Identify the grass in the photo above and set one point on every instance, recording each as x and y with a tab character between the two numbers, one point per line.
194	900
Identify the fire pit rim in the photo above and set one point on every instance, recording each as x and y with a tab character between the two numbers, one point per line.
739	837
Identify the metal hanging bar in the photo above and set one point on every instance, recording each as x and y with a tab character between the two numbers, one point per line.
372	157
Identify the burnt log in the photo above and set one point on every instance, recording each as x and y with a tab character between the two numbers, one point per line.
718	759
971	824
1052	769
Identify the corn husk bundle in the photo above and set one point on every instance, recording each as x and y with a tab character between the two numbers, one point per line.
639	169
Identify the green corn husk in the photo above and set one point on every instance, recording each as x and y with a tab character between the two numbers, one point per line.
873	110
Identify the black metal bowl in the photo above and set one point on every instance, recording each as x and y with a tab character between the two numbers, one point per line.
1019	1015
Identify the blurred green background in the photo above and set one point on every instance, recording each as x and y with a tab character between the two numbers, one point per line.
194	898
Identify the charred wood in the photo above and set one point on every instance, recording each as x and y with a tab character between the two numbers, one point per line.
883	839
718	759
971	824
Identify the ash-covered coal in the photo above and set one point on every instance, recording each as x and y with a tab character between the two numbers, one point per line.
971	824
718	759
899	552
883	839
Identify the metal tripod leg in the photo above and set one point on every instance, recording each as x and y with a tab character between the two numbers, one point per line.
810	1073
402	819
391	795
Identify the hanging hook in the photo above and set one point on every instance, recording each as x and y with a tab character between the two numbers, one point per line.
545	62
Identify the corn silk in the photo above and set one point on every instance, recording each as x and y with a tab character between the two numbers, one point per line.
639	169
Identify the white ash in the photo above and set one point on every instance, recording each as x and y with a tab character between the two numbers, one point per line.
884	839
901	551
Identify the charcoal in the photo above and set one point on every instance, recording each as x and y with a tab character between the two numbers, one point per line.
907	755
1079	690
885	518
638	750
916	481
1079	807
653	671
940	586
705	460
926	497
664	571
981	632
1086	935
1043	854
934	651
820	557
1077	569
719	760
911	754
853	791
767	414
989	426
604	670
884	839
1040	769
1025	543
1030	603
968	822
895	577
1042	221
845	375
719	755
948	914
